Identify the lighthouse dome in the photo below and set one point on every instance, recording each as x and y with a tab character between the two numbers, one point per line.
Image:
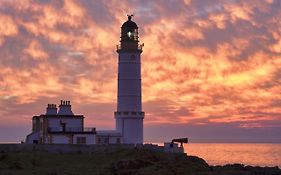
129	25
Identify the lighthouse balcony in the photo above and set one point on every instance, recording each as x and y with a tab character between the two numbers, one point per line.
129	47
129	114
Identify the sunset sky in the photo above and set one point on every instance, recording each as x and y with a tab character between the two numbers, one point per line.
211	69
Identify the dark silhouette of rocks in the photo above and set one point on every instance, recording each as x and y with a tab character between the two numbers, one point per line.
3	156
247	170
119	162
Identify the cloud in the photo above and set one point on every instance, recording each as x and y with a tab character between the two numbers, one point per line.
204	62
35	51
7	28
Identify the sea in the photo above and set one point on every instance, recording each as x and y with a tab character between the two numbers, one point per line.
254	154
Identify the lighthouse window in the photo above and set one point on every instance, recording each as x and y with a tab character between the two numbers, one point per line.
136	34
130	34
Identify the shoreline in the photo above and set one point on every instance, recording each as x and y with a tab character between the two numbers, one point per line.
119	160
62	148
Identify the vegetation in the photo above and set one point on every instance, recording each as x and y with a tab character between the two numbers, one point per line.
123	162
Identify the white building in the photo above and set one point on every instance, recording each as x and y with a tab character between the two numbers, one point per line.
129	116
63	127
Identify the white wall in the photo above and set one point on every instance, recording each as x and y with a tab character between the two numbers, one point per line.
73	123
109	140
129	82
119	124
90	138
129	98
132	129
60	139
31	137
113	140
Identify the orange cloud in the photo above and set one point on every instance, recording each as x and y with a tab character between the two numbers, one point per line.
217	62
7	27
28	85
219	20
35	51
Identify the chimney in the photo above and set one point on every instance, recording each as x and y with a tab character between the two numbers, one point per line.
51	109
65	108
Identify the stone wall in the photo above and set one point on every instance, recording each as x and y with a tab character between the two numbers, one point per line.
67	148
61	148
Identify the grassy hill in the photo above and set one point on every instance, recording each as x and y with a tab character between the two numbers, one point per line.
120	161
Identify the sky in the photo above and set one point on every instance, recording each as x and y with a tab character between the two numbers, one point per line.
211	69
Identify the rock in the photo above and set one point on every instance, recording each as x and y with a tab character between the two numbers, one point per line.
36	162
16	166
120	162
52	173
130	164
247	170
3	156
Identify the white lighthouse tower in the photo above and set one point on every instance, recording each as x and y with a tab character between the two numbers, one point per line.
129	116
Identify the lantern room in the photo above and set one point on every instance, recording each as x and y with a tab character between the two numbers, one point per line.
129	37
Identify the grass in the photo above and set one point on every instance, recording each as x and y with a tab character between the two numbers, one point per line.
118	162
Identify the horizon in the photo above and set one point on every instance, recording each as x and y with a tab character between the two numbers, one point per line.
211	70
190	142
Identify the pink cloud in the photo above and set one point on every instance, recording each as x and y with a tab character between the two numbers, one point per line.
202	63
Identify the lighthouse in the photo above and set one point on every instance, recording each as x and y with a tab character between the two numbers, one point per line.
129	115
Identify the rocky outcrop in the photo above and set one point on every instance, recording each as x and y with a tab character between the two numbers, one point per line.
247	170
129	166
119	162
146	162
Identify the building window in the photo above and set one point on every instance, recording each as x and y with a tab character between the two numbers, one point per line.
41	126
106	140
99	140
35	141
49	139
118	140
34	125
81	140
